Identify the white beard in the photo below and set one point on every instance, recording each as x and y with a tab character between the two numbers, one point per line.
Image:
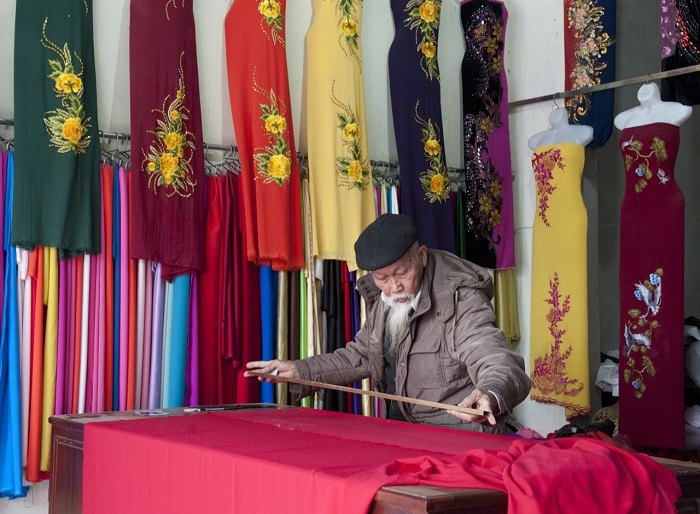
396	325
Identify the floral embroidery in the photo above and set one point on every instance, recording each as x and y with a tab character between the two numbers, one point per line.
169	158
174	4
435	181
639	332
632	150
348	25
424	19
353	169
271	11
274	164
549	371
67	126
591	44
544	164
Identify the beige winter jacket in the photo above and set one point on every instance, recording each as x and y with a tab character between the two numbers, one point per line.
452	346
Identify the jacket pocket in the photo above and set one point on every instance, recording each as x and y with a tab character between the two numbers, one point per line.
426	359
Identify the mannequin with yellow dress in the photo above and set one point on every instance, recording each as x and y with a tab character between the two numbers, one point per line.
559	310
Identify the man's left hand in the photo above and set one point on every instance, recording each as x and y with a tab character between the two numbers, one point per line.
481	400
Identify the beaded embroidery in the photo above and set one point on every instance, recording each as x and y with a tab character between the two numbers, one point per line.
484	39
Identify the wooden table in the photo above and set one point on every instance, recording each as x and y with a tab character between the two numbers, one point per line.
65	494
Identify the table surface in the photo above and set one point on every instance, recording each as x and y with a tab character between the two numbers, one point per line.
68	435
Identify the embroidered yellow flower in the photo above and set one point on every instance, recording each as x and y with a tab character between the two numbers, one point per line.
437	184
486	125
275	124
348	12
349	27
272	24
350	132
428	11
497	64
68	126
168	161
432	147
279	167
491	45
173	141
72	130
273	162
352	168
429	49
355	171
434	180
270	8
496	188
168	166
423	19
68	83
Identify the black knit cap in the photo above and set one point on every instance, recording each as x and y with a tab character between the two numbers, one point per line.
384	241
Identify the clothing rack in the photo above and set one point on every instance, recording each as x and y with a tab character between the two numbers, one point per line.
383	172
608	85
386	173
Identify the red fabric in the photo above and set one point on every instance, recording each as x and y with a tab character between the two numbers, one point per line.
167	198
36	270
320	462
257	77
246	306
229	295
210	282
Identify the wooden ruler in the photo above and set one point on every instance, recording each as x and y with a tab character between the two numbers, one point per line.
375	394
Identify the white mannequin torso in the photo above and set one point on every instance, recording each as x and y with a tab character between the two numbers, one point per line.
561	131
652	110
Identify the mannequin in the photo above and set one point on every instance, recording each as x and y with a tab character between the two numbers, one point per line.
652	249
652	110
559	266
561	131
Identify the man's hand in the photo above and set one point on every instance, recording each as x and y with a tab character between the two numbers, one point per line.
478	399
276	367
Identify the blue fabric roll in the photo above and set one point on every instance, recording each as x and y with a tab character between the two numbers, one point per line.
268	310
10	396
178	345
117	289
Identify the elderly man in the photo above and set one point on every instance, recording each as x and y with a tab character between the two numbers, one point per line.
429	335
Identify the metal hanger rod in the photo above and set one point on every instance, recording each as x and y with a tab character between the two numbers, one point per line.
608	85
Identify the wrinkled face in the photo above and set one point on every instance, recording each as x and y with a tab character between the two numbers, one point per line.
403	277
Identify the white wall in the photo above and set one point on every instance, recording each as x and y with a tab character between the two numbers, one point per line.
534	66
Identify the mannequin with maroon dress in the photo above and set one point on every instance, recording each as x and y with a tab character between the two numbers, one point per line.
651	273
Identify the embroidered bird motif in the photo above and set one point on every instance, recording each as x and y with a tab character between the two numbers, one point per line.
663	178
650	297
625	144
631	339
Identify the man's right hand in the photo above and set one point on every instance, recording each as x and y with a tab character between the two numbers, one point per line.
276	367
